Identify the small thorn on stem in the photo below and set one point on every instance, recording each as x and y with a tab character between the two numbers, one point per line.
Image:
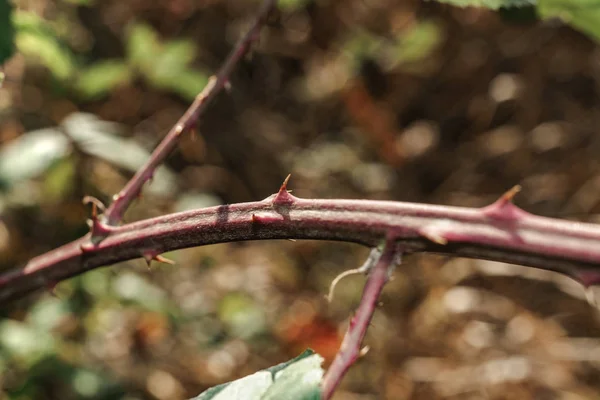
154	255
51	286
503	208
283	197
511	193
590	296
283	187
434	234
363	352
164	260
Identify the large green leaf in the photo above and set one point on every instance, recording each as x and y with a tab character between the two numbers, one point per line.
6	31
297	379
583	15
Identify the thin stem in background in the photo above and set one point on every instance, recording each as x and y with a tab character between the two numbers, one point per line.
122	200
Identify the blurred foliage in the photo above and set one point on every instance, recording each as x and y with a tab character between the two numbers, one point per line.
6	31
37	39
164	65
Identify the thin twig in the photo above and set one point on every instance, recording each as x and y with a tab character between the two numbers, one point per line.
122	200
350	349
500	232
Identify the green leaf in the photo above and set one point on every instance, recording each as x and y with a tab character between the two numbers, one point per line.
99	79
59	180
100	138
37	40
493	4
291	5
242	315
188	83
143	46
583	15
301	380
32	154
165	64
297	379
417	43
25	343
7	33
131	287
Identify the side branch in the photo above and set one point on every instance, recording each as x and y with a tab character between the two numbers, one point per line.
385	261
122	200
500	232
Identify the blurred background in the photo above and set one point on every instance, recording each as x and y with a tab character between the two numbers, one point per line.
374	99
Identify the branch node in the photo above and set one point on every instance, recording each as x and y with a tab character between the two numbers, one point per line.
98	229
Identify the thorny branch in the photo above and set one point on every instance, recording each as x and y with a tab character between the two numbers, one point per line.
501	232
381	264
122	200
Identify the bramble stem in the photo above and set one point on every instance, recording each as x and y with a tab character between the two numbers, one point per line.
500	232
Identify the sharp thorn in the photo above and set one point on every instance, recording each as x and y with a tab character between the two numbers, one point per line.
283	187
591	297
511	193
434	236
164	260
364	351
148	258
283	197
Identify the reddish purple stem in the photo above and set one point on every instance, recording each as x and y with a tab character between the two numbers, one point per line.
499	232
350	349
